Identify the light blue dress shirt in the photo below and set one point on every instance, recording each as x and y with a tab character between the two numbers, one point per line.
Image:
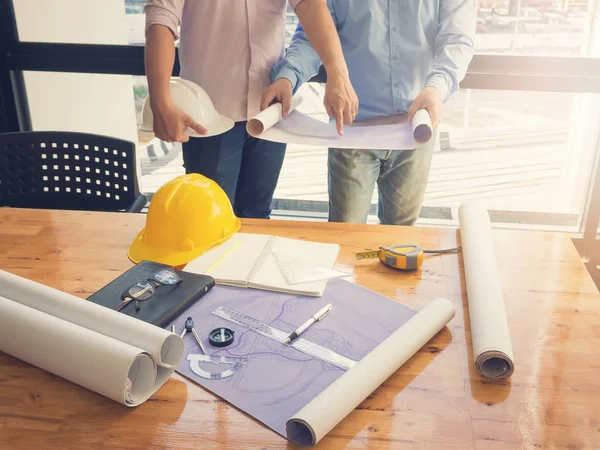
393	49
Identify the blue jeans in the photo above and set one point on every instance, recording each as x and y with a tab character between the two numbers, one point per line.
401	177
246	168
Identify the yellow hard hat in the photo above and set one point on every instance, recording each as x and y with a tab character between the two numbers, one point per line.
186	217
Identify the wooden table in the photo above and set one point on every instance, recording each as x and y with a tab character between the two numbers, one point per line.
435	401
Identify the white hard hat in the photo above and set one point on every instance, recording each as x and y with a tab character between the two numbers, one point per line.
196	103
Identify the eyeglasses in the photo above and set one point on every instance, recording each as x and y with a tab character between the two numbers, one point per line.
145	290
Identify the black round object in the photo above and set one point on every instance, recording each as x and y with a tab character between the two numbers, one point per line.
220	337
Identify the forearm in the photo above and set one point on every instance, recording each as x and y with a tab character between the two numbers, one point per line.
320	31
451	63
453	46
159	60
300	63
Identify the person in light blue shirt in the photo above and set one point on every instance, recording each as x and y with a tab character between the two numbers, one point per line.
402	56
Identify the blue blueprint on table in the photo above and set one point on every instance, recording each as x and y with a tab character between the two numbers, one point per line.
276	381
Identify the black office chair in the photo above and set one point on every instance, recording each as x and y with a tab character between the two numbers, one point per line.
65	170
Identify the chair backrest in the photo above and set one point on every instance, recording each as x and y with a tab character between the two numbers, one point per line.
65	170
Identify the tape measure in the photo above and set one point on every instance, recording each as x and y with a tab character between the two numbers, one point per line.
402	256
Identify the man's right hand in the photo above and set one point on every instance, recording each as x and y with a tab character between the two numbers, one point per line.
170	123
341	101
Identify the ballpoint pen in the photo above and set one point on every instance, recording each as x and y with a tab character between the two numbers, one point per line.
302	328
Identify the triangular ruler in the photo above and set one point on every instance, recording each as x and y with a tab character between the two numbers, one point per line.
297	271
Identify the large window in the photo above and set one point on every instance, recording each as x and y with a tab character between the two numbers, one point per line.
526	154
518	139
540	27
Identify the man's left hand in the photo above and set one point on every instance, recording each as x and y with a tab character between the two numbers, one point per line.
430	99
279	91
340	100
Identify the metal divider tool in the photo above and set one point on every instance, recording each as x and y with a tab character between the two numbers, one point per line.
189	328
195	359
280	336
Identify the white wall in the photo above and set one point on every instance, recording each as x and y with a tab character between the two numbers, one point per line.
102	104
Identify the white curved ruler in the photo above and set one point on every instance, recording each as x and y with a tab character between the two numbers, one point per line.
194	359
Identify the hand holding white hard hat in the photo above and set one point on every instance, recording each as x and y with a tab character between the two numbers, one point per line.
195	102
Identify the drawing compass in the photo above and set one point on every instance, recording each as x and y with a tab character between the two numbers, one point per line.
189	328
221	337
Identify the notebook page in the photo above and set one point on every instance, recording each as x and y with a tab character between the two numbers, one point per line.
270	277
231	262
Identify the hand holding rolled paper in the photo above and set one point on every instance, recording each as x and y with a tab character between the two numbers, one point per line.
270	116
391	133
425	112
422	128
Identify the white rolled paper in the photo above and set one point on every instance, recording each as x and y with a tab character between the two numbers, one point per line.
422	128
392	132
266	119
492	348
324	412
115	355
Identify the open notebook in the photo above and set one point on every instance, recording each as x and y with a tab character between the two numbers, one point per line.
256	261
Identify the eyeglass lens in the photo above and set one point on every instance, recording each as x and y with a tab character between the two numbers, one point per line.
166	276
142	291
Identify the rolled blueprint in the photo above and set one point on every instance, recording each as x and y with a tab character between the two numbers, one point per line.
492	348
391	132
104	365
115	355
422	129
266	119
324	412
